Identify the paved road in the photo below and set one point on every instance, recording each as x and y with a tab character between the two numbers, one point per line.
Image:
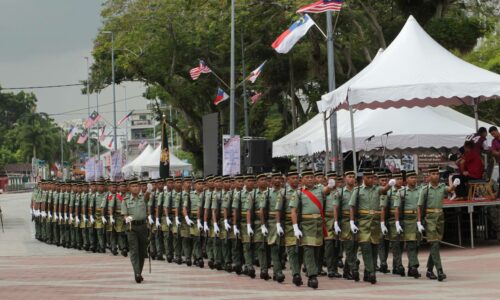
33	270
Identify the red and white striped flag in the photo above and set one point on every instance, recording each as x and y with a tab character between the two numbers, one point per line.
256	97
196	72
124	118
92	119
321	6
83	137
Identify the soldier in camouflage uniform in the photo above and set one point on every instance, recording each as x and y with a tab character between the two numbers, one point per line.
207	216
331	241
187	223
226	220
256	201
178	226
382	179
216	235
76	220
236	220
91	205
55	217
192	207
84	220
366	203
430	209
164	216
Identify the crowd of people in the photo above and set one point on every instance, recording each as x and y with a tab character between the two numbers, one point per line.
242	222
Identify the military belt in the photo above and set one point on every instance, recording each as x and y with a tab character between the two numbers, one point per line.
329	214
272	213
407	211
369	212
346	213
434	210
311	216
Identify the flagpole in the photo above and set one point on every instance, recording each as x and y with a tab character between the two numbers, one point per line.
62	154
245	102
98	129
88	106
331	87
232	88
126	126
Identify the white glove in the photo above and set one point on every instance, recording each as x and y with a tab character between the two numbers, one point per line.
158	223
336	227
392	182
383	228
85	219
128	219
56	217
177	222
36	213
188	221
50	215
77	220
111	219
226	225
150	220
399	229
331	183
279	229
92	220
263	229
60	216
420	227
354	228
216	229
296	231
165	189
43	214
198	224
104	221
169	222
149	188
249	229
235	230
71	218
456	182
65	217
205	227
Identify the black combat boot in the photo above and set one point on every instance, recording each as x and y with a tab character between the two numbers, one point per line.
170	258
201	263
355	276
280	277
189	263
413	272
211	264
264	275
312	282
297	280
347	275
384	268
237	269
372	278
251	273
441	276
430	274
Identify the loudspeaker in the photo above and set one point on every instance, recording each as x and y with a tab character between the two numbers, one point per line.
258	155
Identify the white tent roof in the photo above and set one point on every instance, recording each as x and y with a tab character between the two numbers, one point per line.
414	71
152	163
134	166
427	127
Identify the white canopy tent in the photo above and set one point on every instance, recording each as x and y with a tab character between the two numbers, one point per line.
414	71
153	162
135	165
412	128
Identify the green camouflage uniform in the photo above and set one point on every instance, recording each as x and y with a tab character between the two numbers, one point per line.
283	206
137	235
408	219
341	200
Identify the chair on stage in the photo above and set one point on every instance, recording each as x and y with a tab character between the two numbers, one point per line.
480	189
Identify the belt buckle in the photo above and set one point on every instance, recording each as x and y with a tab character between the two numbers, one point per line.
371	212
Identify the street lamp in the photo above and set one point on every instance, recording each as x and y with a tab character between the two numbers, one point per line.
126	125
88	106
113	80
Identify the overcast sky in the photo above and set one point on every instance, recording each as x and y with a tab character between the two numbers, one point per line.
44	42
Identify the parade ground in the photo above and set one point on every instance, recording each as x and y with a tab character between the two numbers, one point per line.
30	269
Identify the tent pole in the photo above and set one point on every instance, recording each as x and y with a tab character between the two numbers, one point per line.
327	150
354	162
476	114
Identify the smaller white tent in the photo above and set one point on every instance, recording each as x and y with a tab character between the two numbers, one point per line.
152	163
412	128
135	165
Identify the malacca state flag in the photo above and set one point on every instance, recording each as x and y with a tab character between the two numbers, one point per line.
292	35
221	96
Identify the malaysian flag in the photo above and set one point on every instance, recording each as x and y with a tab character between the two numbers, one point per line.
92	119
321	6
71	133
83	137
256	97
102	136
125	118
196	72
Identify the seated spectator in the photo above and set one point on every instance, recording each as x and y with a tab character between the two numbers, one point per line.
471	168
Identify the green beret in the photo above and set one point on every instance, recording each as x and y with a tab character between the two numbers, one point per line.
307	172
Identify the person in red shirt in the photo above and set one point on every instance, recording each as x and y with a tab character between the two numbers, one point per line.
471	165
478	140
495	150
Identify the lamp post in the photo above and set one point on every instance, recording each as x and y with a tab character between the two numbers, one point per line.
115	142
88	106
126	125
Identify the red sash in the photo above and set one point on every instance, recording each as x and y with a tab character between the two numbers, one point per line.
119	196
110	197
319	206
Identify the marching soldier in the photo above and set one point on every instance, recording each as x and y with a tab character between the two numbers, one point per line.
236	220
55	218
192	208
406	215
91	205
134	210
108	210
382	179
164	216
177	228
76	220
207	216
226	217
268	214
394	225
83	215
119	220
256	201
156	248
186	223
307	212
331	241
215	233
365	208
430	210
341	225
99	226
